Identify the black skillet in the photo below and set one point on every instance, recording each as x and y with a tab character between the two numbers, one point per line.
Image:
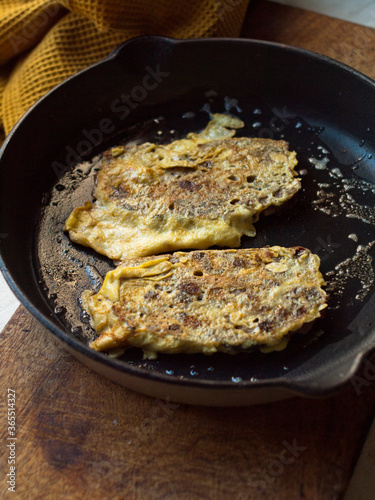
158	89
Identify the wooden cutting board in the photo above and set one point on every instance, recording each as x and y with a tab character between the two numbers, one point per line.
81	436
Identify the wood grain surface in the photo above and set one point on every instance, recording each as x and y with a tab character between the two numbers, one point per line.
81	436
347	42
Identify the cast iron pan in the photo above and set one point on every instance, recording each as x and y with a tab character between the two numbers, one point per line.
158	89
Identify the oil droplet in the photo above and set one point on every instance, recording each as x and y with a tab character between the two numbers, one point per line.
52	296
169	372
76	330
298	125
353	237
356	164
257	111
193	373
323	150
94	276
206	108
159	132
60	310
319	164
303	171
85	318
256	124
236	379
336	172
230	103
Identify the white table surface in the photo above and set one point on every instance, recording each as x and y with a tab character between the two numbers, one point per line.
357	11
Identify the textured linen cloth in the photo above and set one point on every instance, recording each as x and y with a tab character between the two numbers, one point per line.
42	42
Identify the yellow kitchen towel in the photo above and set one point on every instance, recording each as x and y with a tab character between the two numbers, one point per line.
42	42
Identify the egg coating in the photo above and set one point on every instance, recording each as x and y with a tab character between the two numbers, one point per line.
207	189
207	301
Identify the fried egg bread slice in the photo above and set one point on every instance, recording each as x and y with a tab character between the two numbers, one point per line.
207	301
205	190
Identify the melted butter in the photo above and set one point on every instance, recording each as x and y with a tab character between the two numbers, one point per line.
336	172
323	150
359	267
319	164
341	197
356	211
326	203
353	237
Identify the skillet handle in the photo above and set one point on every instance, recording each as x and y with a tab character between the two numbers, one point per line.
362	328
357	372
